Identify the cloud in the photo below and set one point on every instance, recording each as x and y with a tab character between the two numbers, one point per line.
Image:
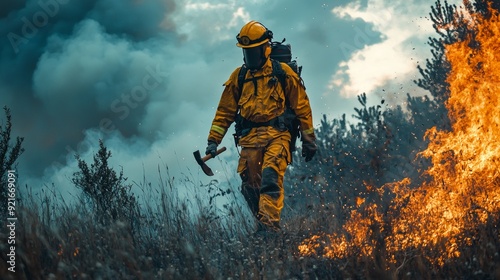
210	22
402	26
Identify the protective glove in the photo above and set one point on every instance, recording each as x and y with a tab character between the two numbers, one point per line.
211	148
308	149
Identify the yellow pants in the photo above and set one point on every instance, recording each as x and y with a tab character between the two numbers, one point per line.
262	170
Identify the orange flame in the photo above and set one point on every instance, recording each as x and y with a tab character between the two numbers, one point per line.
60	251
76	251
465	188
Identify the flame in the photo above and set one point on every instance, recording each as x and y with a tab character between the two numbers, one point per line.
76	251
60	251
359	201
465	188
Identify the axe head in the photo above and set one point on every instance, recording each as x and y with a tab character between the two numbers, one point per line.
202	163
201	160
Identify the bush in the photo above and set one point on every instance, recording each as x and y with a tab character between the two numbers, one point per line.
8	156
107	192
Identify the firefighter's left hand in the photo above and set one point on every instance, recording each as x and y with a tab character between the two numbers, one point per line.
308	149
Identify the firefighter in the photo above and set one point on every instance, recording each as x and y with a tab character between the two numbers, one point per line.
258	108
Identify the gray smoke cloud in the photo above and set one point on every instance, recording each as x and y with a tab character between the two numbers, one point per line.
69	66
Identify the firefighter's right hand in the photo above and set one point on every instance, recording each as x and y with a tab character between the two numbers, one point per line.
211	149
308	149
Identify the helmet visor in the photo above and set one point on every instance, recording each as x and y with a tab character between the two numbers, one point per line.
254	57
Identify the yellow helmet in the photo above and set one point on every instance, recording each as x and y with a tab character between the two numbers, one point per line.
253	34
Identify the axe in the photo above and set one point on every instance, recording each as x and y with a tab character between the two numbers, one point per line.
201	160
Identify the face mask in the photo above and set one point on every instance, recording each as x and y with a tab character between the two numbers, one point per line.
254	57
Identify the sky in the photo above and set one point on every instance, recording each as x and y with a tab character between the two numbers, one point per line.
146	75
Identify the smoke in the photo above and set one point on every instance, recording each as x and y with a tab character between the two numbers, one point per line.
96	70
69	66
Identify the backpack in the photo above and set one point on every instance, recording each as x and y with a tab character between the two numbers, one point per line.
283	53
288	120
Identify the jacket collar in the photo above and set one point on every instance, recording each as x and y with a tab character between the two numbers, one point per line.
266	69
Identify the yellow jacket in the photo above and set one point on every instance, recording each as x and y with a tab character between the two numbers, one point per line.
261	101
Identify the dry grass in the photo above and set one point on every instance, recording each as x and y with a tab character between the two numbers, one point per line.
167	240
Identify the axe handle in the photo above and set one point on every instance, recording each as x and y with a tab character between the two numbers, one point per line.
219	151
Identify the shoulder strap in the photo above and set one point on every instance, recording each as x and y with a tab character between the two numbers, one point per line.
277	72
241	79
281	75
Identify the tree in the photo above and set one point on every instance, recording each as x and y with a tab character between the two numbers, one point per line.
107	192
452	26
9	153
